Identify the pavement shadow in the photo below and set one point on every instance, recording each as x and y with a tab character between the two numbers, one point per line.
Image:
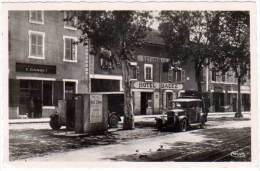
218	145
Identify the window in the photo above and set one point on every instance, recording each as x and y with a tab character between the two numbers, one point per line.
148	72
70	49
178	75
36	17
47	93
71	20
170	73
213	75
36	44
133	70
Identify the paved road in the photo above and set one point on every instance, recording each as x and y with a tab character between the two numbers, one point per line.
214	143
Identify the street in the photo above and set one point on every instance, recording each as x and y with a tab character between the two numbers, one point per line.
224	139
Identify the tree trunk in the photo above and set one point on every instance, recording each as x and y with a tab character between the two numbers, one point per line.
238	113
198	79
128	99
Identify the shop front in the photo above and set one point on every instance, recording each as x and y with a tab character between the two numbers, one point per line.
153	97
31	93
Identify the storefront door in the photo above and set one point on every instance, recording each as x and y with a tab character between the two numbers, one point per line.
218	101
145	99
70	90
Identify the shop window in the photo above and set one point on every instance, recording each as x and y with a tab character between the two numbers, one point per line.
36	44
47	93
36	17
148	72
70	21
70	49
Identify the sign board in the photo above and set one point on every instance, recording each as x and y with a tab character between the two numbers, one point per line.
43	69
151	59
95	108
156	85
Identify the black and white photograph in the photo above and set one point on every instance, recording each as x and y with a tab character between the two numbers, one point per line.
127	85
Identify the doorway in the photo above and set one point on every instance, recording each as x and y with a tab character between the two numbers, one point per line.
218	101
146	100
70	90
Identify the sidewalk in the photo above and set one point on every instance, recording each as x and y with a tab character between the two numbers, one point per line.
138	118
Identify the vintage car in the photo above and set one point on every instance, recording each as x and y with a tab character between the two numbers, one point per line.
186	112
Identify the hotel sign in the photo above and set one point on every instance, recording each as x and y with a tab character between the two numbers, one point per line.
156	85
35	68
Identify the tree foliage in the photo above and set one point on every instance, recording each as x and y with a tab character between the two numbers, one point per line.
115	34
187	35
231	43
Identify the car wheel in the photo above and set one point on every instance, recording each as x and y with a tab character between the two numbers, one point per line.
113	121
54	123
183	125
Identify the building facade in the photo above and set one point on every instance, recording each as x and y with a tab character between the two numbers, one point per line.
45	65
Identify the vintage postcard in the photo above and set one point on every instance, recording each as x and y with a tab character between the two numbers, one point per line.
129	84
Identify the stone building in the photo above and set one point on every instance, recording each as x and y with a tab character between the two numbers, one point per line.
44	63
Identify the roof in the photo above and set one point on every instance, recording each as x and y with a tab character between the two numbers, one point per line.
177	110
186	100
153	37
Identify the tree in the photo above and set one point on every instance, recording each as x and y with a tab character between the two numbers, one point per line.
115	34
187	36
231	45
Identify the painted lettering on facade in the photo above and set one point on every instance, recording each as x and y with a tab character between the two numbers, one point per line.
156	85
151	59
96	108
44	69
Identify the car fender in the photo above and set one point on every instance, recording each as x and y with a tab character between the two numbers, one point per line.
115	114
182	117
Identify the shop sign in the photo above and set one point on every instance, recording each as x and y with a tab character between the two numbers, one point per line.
156	85
151	59
43	69
171	86
95	108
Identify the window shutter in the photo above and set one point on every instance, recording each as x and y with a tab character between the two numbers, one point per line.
183	75
174	76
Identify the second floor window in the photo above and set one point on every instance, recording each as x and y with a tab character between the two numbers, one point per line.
134	71
70	20
148	72
36	17
178	75
213	75
70	49
36	44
